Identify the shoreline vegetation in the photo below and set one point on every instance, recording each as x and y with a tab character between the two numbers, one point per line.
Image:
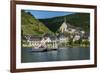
85	44
62	47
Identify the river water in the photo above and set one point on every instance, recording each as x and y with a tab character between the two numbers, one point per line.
63	54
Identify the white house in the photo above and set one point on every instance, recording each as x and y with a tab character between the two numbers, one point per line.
62	38
83	32
34	41
76	37
71	30
51	41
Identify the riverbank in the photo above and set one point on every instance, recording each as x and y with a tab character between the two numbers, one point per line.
69	46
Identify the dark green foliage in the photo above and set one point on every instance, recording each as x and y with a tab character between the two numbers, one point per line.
53	24
81	20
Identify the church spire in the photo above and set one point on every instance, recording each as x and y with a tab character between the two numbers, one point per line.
65	19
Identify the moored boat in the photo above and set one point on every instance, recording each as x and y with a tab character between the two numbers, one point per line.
43	49
38	50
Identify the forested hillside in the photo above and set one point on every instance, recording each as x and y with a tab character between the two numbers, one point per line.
32	26
81	20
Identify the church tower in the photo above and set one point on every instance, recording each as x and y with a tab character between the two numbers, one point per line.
63	27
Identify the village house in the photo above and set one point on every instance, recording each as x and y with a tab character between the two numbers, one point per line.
76	37
86	37
62	38
33	40
51	41
45	41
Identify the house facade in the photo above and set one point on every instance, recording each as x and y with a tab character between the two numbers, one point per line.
42	42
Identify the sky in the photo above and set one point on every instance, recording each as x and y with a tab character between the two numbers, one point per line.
47	14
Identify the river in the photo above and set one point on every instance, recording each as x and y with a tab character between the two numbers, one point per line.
63	54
